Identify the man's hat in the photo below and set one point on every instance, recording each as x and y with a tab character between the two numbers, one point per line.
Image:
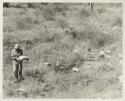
17	46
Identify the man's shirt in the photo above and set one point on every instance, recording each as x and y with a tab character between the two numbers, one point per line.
16	53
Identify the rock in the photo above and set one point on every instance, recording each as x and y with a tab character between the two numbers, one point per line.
110	64
102	54
21	90
75	69
90	53
88	66
76	51
120	56
120	78
120	62
108	52
108	56
86	82
47	64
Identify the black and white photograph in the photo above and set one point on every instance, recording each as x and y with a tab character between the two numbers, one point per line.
62	50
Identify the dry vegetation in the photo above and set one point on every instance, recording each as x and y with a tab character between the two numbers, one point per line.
50	33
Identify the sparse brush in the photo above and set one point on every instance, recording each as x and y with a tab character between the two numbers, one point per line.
62	23
85	12
101	10
117	21
48	14
57	37
26	21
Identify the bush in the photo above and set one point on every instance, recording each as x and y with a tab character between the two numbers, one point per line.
101	10
24	22
60	8
6	5
50	11
9	40
30	5
48	14
95	36
61	22
117	21
36	5
84	12
27	20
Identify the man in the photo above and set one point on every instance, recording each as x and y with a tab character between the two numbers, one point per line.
17	63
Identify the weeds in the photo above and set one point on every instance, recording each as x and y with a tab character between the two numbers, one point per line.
61	34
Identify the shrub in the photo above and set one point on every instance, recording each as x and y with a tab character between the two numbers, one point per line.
6	5
10	40
117	21
95	36
48	14
26	21
30	5
60	8
61	22
35	5
101	10
23	22
84	12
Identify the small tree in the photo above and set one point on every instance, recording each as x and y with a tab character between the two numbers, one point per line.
6	5
91	6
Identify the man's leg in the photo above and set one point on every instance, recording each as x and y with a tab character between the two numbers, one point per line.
20	72
15	70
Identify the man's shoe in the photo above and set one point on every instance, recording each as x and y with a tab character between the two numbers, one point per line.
22	78
17	81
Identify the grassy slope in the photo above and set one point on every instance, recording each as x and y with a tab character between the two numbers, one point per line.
67	28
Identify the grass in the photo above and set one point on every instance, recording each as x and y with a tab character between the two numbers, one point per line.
51	33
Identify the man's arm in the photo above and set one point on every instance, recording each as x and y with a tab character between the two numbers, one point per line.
21	52
13	56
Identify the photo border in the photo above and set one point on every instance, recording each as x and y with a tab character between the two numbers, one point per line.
61	1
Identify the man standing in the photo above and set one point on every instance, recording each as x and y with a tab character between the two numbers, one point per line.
17	64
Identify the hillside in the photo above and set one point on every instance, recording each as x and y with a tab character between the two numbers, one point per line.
52	34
